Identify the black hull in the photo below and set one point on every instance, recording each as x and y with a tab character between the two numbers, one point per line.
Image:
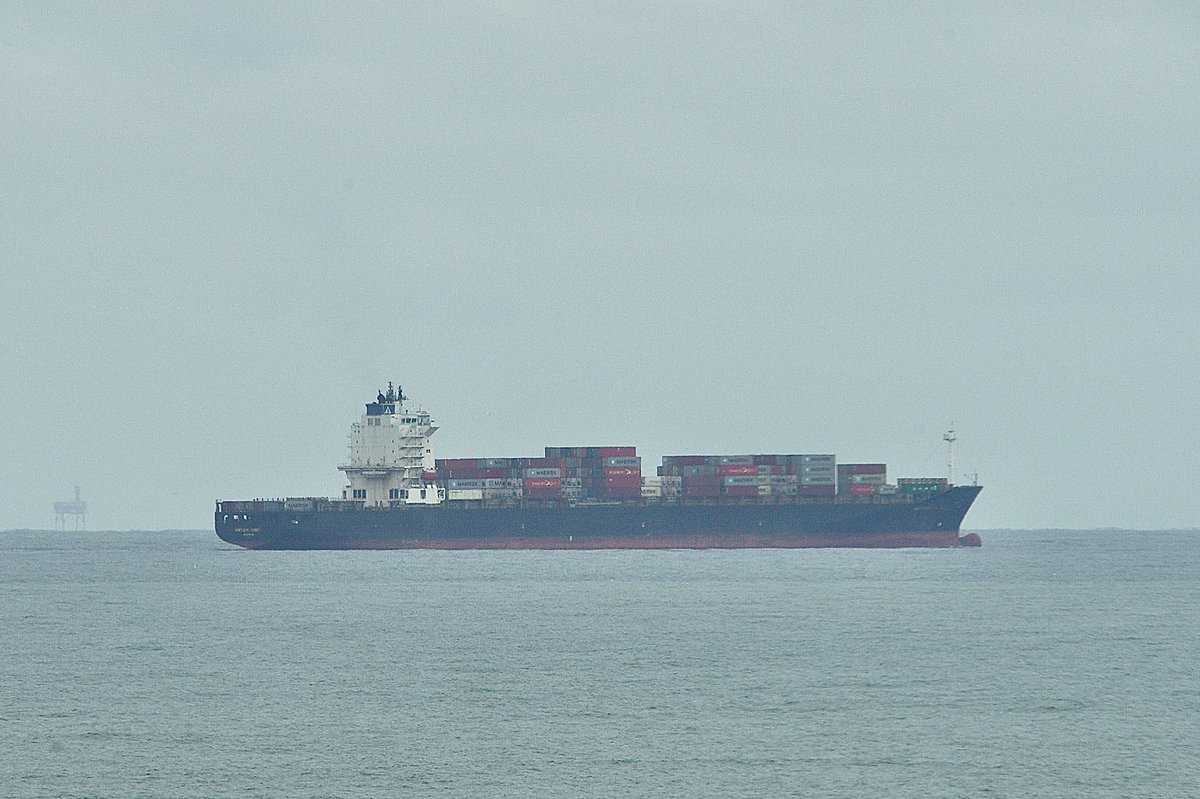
933	522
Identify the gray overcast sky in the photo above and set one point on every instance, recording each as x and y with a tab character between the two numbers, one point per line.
695	227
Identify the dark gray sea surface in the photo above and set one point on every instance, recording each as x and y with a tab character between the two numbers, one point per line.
1046	664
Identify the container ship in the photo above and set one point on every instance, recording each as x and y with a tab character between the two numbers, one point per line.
399	496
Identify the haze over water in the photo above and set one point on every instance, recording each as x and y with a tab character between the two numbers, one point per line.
712	227
169	664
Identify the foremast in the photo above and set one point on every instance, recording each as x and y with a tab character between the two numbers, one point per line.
391	455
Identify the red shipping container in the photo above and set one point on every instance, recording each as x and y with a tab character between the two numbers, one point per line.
702	490
463	474
861	468
543	463
862	489
684	460
622	471
623	482
740	491
618	452
429	477
738	470
458	463
543	484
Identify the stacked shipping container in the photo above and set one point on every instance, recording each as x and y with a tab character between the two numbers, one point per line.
922	487
751	475
564	473
615	473
861	479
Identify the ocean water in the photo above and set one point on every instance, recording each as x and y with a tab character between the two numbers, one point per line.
1046	664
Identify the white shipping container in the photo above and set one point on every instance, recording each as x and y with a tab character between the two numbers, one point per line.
886	489
465	493
503	493
652	491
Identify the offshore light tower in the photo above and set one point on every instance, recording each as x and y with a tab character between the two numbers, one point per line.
76	509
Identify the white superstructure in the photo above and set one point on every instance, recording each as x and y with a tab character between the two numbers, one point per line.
390	451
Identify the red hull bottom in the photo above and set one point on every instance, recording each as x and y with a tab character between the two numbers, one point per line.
885	541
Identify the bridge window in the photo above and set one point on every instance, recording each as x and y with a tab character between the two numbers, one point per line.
393	493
